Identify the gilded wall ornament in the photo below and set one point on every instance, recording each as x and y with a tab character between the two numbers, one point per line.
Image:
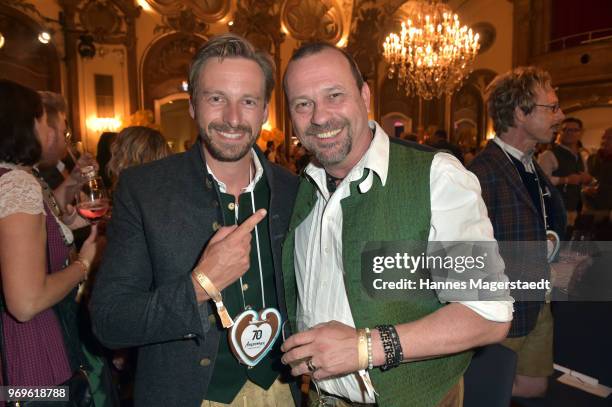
259	22
366	39
208	11
102	19
185	21
309	20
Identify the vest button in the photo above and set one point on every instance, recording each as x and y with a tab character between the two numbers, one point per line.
215	226
205	362
212	319
245	287
231	206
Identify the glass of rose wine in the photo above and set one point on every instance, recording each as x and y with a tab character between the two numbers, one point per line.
92	200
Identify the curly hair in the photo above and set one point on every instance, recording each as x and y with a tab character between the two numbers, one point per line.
136	145
514	89
230	45
19	108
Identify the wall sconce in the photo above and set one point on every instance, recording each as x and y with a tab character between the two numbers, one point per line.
44	37
184	86
2	40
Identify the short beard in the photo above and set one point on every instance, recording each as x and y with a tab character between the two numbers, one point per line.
226	154
336	152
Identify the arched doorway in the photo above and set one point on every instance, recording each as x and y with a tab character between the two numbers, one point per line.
469	122
165	66
172	114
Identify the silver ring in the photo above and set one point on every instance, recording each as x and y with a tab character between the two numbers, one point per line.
310	366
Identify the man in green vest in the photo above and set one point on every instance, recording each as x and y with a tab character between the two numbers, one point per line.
362	186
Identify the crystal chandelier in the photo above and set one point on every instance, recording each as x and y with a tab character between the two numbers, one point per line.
433	53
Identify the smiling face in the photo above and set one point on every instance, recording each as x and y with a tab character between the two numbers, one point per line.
229	107
328	111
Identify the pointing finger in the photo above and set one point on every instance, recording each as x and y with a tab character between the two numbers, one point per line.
222	233
249	224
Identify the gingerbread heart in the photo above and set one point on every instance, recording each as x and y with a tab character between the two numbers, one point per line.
253	335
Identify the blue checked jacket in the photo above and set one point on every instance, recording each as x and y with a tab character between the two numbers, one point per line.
515	218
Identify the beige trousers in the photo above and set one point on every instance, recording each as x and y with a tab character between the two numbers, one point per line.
251	395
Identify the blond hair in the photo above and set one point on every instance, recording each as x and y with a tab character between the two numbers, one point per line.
136	145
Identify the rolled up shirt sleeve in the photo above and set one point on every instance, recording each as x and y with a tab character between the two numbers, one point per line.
459	214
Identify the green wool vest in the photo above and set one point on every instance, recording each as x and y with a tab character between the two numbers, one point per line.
398	211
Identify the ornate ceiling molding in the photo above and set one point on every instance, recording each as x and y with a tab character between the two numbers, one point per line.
259	22
108	21
209	11
185	21
313	20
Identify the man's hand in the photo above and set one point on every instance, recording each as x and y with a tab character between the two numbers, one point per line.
573	179
585	178
85	160
331	347
227	255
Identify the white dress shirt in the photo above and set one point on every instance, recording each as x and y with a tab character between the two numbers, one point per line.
458	213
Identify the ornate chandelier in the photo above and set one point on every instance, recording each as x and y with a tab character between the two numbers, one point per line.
433	53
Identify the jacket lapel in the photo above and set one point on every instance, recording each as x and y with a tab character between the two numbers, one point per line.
509	171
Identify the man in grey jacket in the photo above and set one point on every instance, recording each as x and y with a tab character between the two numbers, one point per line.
195	224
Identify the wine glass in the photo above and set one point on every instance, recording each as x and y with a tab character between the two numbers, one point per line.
92	199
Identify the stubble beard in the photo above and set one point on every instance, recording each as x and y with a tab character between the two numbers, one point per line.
227	153
333	153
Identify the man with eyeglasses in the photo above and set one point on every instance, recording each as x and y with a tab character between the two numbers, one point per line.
523	205
565	167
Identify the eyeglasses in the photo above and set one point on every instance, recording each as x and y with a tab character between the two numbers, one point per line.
554	107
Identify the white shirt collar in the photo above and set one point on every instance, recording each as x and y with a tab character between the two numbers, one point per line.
376	159
254	180
525	158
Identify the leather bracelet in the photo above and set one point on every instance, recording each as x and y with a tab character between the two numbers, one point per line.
215	295
369	344
85	265
362	349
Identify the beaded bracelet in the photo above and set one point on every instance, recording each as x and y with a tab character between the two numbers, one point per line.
391	346
370	356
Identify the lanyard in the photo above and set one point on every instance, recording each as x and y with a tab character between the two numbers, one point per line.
540	193
263	298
